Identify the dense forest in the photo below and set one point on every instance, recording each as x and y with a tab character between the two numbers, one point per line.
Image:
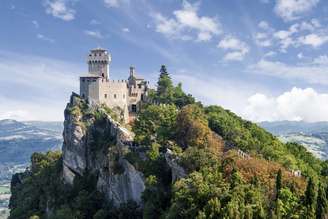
233	169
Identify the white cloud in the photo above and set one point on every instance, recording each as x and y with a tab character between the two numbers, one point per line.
125	29
300	55
305	33
112	3
60	9
35	88
293	9
94	22
36	24
296	104
115	3
217	91
94	33
321	60
45	38
187	23
270	54
315	72
313	40
236	48
310	26
252	102
264	37
264	25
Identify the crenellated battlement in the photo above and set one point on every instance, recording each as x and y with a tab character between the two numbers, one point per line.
97	87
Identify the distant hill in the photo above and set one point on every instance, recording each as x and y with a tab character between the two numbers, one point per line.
287	127
314	136
18	140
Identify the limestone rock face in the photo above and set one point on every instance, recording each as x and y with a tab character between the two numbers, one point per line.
123	187
74	147
97	146
176	170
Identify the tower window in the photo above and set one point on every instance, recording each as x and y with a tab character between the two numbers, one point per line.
134	108
142	97
123	96
105	95
115	96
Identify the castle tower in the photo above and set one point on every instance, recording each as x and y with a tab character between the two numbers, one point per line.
98	61
132	72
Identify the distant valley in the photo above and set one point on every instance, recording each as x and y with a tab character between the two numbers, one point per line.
18	140
314	136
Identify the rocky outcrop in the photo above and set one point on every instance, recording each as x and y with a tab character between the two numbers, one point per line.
176	170
95	143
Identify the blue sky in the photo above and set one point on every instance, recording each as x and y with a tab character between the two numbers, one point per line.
263	59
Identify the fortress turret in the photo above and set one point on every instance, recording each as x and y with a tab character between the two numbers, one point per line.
98	61
125	97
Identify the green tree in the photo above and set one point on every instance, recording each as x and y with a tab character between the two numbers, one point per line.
155	123
165	88
193	130
278	183
310	198
322	205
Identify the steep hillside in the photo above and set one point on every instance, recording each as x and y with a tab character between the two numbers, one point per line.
179	160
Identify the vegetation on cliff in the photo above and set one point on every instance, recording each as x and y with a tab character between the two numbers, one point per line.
233	169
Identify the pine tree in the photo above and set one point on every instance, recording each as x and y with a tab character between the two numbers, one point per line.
164	86
310	198
322	205
278	183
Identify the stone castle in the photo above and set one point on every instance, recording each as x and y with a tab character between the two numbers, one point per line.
123	96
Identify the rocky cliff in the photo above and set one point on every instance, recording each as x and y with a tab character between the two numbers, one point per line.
95	144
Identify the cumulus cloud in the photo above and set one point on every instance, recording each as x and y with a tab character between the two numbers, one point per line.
236	48
296	104
94	33
187	24
263	38
45	38
126	30
315	72
293	9
60	9
305	33
253	102
313	40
